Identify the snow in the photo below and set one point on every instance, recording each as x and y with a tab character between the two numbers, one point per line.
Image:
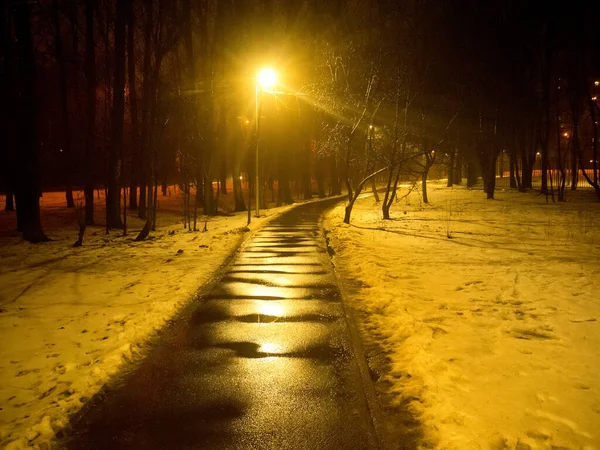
492	333
70	317
488	311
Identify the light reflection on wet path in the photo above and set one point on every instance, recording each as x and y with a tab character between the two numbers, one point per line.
263	362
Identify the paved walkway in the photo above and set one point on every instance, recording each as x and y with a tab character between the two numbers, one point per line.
265	361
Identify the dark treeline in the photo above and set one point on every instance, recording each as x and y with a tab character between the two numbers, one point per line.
131	96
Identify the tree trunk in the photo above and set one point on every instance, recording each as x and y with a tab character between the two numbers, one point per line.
207	56
544	153
348	211
133	104
575	147
350	205
306	180
513	165
429	161
594	144
221	134
559	157
155	199
574	168
223	174
488	168
336	188
27	190
374	190
450	181
64	102
389	199
145	152
238	196
457	172
284	193
471	174
209	198
527	162
370	136
490	187
390	190
152	131
594	180
546	125
90	131
319	175
113	197
10	205
7	124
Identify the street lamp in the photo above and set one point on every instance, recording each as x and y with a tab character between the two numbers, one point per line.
265	80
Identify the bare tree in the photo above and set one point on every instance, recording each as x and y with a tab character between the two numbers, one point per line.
7	119
594	111
27	188
115	153
66	122
133	106
90	131
161	36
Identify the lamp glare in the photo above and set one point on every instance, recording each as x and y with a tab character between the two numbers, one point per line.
266	78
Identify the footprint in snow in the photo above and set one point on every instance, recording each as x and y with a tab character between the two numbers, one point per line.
532	334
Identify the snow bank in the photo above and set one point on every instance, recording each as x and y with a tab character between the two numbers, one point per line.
69	317
488	311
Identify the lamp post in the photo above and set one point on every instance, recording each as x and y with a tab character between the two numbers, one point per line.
265	80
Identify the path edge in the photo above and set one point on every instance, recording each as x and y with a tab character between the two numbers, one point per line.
371	397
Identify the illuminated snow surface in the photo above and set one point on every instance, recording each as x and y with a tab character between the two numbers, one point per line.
493	334
71	316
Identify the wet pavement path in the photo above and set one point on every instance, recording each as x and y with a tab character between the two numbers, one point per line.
264	360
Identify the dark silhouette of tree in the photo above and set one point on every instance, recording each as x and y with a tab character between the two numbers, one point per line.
90	127
191	102
7	120
162	32
27	183
133	106
115	150
168	95
64	103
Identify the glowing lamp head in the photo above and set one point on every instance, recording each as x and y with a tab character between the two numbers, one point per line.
266	78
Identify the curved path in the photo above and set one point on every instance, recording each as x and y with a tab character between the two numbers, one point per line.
265	360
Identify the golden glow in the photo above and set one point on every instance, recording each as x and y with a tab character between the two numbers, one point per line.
269	347
565	134
266	291
266	78
370	127
594	98
281	281
596	83
271	309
